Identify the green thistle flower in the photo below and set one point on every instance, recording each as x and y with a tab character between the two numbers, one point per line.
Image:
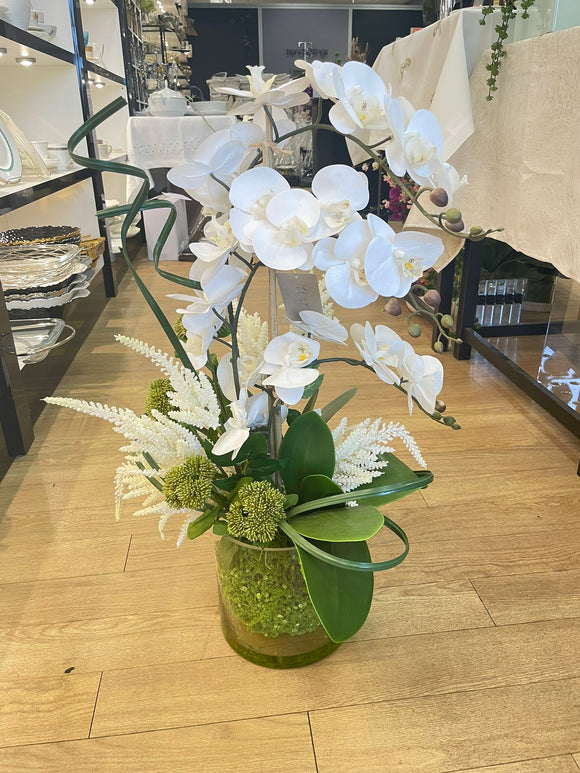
157	397
256	512
189	484
179	330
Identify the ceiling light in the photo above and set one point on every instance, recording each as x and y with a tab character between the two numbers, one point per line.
99	85
26	61
90	2
3	51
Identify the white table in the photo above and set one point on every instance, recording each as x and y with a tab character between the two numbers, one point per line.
165	142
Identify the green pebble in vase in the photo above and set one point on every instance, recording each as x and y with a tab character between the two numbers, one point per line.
267	616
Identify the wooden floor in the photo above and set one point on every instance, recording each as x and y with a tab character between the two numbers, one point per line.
111	655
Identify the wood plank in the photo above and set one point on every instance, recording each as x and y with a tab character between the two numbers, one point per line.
528	597
458	559
91	645
50	709
414	609
110	595
544	765
577	759
450	732
65	559
140	699
253	746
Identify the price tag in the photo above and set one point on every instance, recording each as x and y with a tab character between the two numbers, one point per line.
299	293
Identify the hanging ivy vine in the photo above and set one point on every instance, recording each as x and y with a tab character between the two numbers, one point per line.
508	12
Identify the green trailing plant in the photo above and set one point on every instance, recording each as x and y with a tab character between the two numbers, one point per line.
508	10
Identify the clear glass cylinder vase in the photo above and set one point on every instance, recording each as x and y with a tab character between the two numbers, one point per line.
267	616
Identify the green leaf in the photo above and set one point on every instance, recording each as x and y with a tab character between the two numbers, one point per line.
339	402
261	467
307	449
317	487
311	402
314	387
290	500
201	524
340	524
293	414
344	563
341	598
220	528
227	484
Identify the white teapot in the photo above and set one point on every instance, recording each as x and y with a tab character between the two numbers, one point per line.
167	102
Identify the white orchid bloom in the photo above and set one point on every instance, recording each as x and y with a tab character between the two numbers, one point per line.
394	261
219	241
448	179
380	348
248	373
416	145
322	327
218	289
423	377
197	346
282	241
321	76
237	430
262	93
258	410
361	95
223	154
285	361
341	191
283	124
343	261
250	194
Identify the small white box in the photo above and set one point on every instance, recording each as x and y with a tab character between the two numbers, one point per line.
154	220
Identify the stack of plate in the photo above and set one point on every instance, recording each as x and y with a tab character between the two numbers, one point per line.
43	276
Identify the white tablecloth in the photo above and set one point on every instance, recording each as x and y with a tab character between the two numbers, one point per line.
432	67
155	142
523	158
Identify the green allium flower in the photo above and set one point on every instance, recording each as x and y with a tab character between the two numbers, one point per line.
256	512
157	397
189	484
179	330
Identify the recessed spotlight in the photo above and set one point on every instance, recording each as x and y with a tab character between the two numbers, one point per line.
90	2
99	85
3	51
26	61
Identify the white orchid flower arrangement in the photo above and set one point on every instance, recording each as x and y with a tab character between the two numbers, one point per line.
232	426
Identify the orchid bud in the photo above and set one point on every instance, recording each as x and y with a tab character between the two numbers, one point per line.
417	290
393	307
440	406
446	320
453	215
414	330
439	197
456	227
449	420
456	426
433	298
475	230
438	347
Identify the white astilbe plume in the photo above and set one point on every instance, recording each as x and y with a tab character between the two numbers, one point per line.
358	448
326	300
168	442
193	397
252	337
132	482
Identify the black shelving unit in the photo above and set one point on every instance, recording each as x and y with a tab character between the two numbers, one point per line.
16	418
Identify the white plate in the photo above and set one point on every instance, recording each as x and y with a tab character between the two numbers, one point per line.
10	163
207	108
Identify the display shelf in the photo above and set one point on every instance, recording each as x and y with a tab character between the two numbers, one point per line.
22	43
48	101
25	192
103	73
